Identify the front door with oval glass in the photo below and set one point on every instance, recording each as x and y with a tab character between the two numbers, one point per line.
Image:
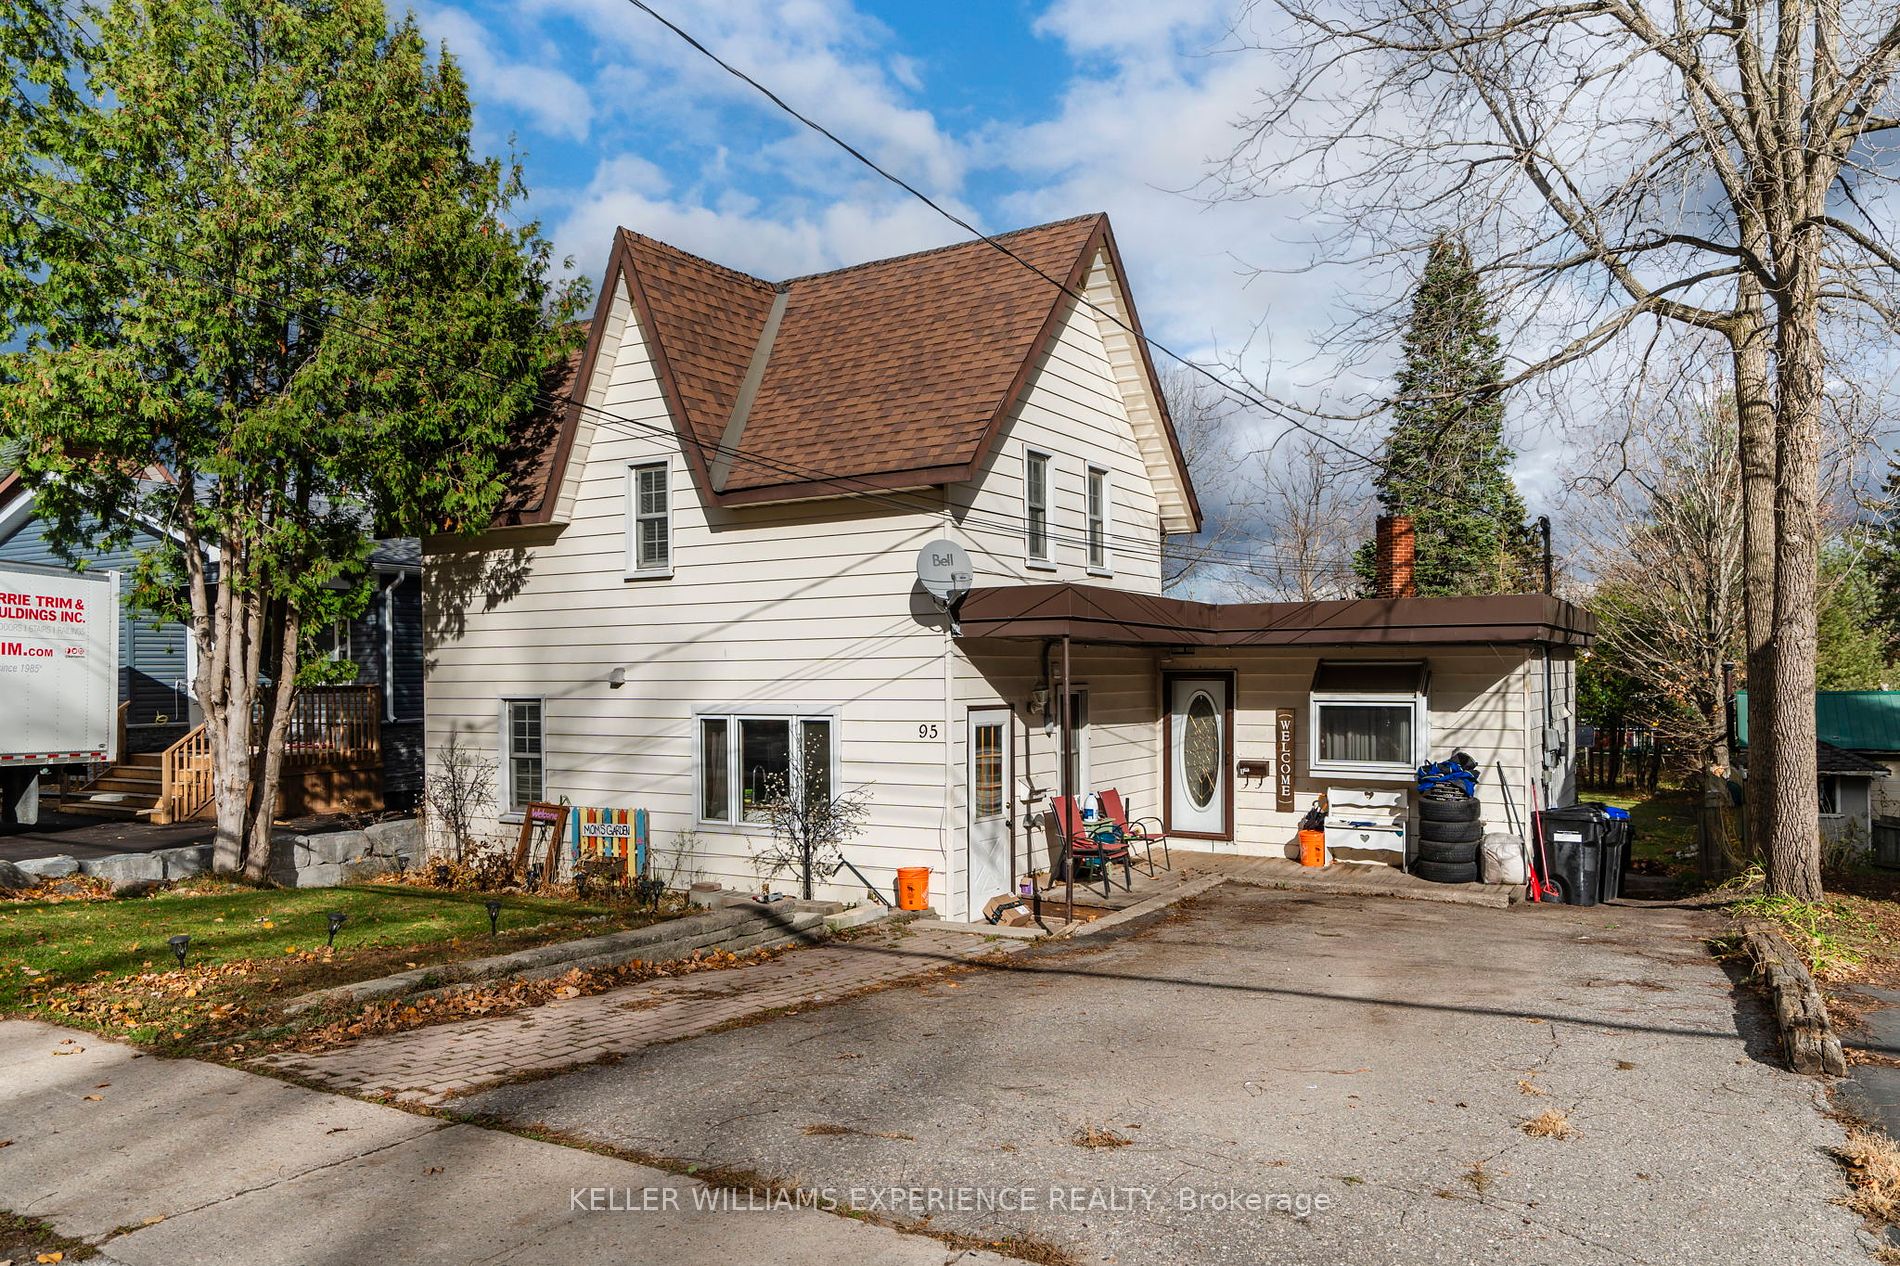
1199	753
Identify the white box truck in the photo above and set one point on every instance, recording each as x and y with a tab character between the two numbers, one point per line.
59	677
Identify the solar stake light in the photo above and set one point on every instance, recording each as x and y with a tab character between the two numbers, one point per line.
494	916
337	920
180	944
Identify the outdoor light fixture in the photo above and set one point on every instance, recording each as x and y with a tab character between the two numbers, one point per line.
180	944
337	920
494	916
617	678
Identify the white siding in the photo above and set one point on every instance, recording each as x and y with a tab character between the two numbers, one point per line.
1074	410
808	605
805	606
1475	704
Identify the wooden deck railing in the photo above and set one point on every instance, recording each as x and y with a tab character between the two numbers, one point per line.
331	727
185	778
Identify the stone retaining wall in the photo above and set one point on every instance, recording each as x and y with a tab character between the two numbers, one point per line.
301	861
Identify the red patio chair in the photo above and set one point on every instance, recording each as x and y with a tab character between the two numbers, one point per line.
1099	841
1142	833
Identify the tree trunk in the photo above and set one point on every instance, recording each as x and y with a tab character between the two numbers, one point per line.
1790	844
1755	418
279	701
240	626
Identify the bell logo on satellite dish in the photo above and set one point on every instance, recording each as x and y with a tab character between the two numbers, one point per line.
943	569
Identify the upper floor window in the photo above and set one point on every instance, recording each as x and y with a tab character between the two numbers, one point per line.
1036	507
649	520
1098	520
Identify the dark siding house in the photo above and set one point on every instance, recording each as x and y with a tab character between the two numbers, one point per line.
157	658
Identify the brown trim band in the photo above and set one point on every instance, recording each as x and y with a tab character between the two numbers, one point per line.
1090	613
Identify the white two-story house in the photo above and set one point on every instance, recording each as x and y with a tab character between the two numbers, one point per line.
703	578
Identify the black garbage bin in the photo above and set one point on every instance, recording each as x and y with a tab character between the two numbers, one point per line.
1616	838
1572	855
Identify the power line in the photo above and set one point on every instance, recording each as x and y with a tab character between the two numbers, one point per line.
1257	402
992	521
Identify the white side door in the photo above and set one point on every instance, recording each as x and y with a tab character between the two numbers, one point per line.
989	784
1198	745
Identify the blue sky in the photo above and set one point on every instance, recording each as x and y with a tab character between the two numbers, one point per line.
1010	111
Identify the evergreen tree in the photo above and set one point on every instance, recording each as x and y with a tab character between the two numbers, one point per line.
1446	463
249	243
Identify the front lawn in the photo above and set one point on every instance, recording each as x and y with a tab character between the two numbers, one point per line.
108	964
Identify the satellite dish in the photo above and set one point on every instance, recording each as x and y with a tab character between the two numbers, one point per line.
943	569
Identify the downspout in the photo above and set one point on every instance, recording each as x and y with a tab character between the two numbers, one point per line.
951	775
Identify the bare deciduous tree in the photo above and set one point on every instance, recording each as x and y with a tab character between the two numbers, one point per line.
1306	514
1629	171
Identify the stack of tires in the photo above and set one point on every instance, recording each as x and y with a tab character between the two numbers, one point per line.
1449	836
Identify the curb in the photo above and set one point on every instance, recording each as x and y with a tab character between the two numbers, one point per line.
1141	909
734	928
1807	1039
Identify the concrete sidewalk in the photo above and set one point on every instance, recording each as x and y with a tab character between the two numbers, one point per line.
243	1169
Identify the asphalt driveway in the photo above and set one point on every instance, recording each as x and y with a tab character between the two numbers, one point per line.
1357	1070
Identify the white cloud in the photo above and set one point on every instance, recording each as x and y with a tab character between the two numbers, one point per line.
551	100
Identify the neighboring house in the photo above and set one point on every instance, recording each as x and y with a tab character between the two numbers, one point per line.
1858	737
158	658
703	578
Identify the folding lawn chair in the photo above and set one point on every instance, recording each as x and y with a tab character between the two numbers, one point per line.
1100	842
1142	833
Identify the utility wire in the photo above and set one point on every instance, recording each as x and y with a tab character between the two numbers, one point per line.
992	521
1270	409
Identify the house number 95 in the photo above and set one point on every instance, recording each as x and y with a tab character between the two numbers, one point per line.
926	731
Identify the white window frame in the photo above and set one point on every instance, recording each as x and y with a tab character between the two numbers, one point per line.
505	750
732	715
1096	521
1421	737
634	518
1045	561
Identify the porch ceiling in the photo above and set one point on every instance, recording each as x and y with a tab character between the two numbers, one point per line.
1090	613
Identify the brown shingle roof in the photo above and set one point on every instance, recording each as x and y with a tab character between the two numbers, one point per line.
889	374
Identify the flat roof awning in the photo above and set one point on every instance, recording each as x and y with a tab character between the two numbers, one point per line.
1090	613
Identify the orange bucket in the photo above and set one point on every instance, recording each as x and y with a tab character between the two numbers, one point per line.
913	887
1312	848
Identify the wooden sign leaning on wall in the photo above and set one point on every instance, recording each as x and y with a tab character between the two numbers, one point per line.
540	824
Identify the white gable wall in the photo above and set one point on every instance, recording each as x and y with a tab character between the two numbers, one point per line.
804	606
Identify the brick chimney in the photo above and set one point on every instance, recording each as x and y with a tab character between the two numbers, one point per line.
1397	547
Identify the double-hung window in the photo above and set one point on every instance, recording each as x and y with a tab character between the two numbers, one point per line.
649	520
1036	508
522	752
750	762
1368	718
1098	520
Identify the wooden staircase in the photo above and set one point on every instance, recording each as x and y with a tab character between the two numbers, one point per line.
130	789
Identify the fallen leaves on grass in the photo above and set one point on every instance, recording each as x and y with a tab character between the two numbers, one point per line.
55	891
1096	1136
1551	1123
1872	1162
503	996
